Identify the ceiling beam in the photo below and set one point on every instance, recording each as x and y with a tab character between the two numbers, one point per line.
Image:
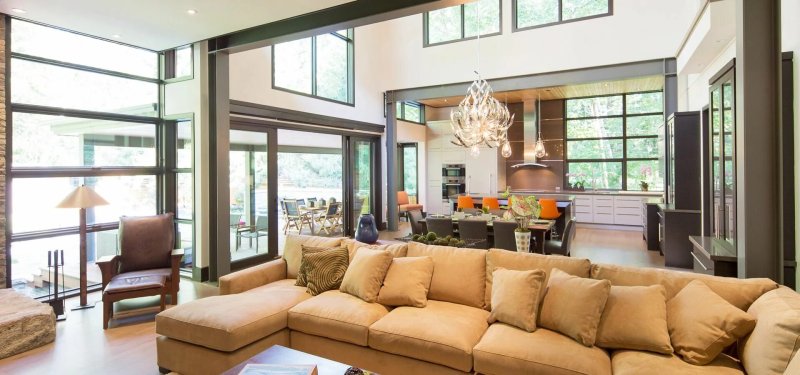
348	15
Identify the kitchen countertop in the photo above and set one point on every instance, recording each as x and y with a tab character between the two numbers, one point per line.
591	192
714	248
557	196
671	208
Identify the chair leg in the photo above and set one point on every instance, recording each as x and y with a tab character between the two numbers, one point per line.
107	310
164	299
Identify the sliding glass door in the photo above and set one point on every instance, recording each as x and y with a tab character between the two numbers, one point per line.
249	205
363	172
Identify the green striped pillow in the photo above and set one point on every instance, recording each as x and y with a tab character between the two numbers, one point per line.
325	269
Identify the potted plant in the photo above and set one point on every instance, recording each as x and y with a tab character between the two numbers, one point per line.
645	172
523	209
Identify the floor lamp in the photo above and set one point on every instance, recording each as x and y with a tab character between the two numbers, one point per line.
82	197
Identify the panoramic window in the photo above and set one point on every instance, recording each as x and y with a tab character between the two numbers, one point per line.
178	62
85	112
612	141
461	22
320	66
411	111
537	13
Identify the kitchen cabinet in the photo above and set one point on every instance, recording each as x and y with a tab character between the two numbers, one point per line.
628	210
612	209
603	209
583	209
482	172
675	227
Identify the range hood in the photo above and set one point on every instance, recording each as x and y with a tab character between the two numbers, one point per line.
530	116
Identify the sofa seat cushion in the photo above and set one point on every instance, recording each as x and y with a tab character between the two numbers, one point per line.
509	350
441	332
631	362
336	315
232	321
282	284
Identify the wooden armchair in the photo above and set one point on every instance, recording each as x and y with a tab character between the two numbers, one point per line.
146	250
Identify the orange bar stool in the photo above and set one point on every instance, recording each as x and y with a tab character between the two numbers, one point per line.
465	201
549	212
491	203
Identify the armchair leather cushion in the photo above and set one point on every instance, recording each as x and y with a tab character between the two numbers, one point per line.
146	242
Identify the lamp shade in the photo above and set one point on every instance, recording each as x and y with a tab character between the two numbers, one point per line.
82	197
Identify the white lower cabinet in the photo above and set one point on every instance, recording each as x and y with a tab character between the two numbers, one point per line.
609	209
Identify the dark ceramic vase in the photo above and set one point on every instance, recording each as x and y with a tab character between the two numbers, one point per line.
367	232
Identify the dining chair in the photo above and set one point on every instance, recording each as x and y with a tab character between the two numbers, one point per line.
465	201
504	235
549	212
404	205
331	220
414	218
254	231
490	203
294	218
564	246
474	229
300	202
312	201
442	226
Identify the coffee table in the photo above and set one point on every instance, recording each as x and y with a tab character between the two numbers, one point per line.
281	355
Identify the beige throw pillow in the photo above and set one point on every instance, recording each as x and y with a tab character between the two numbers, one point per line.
303	270
573	305
515	297
397	249
701	323
407	282
635	317
365	273
325	270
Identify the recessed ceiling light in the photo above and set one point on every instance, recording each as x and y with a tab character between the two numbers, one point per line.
191	12
116	36
17	10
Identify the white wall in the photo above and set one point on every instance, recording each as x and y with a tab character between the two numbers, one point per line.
790	38
693	95
191	96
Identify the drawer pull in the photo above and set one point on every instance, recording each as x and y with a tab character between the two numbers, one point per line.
698	261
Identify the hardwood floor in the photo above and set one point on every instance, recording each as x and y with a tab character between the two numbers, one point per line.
83	347
128	347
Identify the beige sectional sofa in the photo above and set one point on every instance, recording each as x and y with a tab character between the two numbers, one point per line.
261	306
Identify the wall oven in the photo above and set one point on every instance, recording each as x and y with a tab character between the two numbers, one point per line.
453	170
453	186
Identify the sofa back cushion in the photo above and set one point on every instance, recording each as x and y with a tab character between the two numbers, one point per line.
776	339
529	261
459	275
738	292
397	249
293	252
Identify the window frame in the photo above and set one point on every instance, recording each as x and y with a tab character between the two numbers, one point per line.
515	24
351	97
170	56
402	105
157	170
624	138
425	28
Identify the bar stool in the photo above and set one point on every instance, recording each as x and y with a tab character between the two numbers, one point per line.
549	212
491	203
465	201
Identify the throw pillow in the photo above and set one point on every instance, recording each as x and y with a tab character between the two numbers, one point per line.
325	270
407	282
303	270
701	323
635	317
365	273
515	297
573	305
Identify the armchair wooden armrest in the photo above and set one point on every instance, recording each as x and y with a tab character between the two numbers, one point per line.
253	277
108	267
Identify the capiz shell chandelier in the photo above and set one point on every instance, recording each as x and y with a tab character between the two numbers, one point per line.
480	119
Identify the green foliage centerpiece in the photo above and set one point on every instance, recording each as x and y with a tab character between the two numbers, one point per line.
522	210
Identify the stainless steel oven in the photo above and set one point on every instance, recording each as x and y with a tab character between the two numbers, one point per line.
453	170
453	186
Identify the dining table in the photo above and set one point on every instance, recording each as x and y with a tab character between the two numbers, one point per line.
312	210
539	228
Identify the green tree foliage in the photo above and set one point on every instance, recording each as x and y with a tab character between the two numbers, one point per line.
573	9
479	17
536	12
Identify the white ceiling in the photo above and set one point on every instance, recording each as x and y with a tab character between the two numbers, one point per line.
160	24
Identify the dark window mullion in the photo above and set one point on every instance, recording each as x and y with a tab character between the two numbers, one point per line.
314	65
560	10
463	22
